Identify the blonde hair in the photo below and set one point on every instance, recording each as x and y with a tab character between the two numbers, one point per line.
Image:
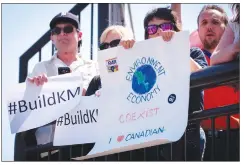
125	33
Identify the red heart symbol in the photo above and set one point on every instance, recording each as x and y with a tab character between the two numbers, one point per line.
120	138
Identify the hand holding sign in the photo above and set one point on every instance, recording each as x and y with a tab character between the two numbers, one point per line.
28	104
38	80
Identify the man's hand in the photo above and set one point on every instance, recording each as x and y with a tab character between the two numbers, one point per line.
38	80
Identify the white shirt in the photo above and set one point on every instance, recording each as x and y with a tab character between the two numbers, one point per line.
236	30
235	27
88	68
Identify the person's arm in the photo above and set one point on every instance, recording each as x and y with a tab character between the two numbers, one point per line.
194	66
176	7
226	49
198	60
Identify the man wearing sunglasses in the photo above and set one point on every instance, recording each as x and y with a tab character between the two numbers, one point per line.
66	36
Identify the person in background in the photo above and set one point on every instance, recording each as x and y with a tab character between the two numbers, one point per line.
212	22
163	22
176	7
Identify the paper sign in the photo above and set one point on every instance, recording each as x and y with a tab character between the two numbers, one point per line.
79	125
30	106
147	97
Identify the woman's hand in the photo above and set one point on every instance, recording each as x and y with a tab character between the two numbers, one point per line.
98	93
127	44
167	35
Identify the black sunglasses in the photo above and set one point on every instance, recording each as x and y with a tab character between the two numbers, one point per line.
66	29
106	45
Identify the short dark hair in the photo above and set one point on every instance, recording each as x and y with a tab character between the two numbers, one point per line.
161	13
214	7
236	9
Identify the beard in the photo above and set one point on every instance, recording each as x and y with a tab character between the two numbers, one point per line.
212	44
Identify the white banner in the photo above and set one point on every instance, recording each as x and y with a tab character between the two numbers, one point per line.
147	95
78	125
30	106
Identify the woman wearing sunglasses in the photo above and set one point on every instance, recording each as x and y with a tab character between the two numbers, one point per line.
111	37
163	22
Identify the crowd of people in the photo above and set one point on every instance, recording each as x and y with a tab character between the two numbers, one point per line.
216	41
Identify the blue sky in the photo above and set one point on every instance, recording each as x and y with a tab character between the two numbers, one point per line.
24	24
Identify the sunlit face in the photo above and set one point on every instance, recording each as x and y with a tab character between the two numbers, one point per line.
66	42
210	28
157	21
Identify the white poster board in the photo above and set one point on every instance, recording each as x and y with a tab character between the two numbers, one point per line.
147	95
78	125
30	106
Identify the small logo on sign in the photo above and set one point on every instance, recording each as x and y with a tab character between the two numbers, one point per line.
112	65
171	98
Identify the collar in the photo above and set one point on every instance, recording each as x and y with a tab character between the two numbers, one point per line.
73	66
207	53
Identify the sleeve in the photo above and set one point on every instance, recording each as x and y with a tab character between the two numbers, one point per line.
90	72
94	85
235	27
198	56
97	69
231	24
